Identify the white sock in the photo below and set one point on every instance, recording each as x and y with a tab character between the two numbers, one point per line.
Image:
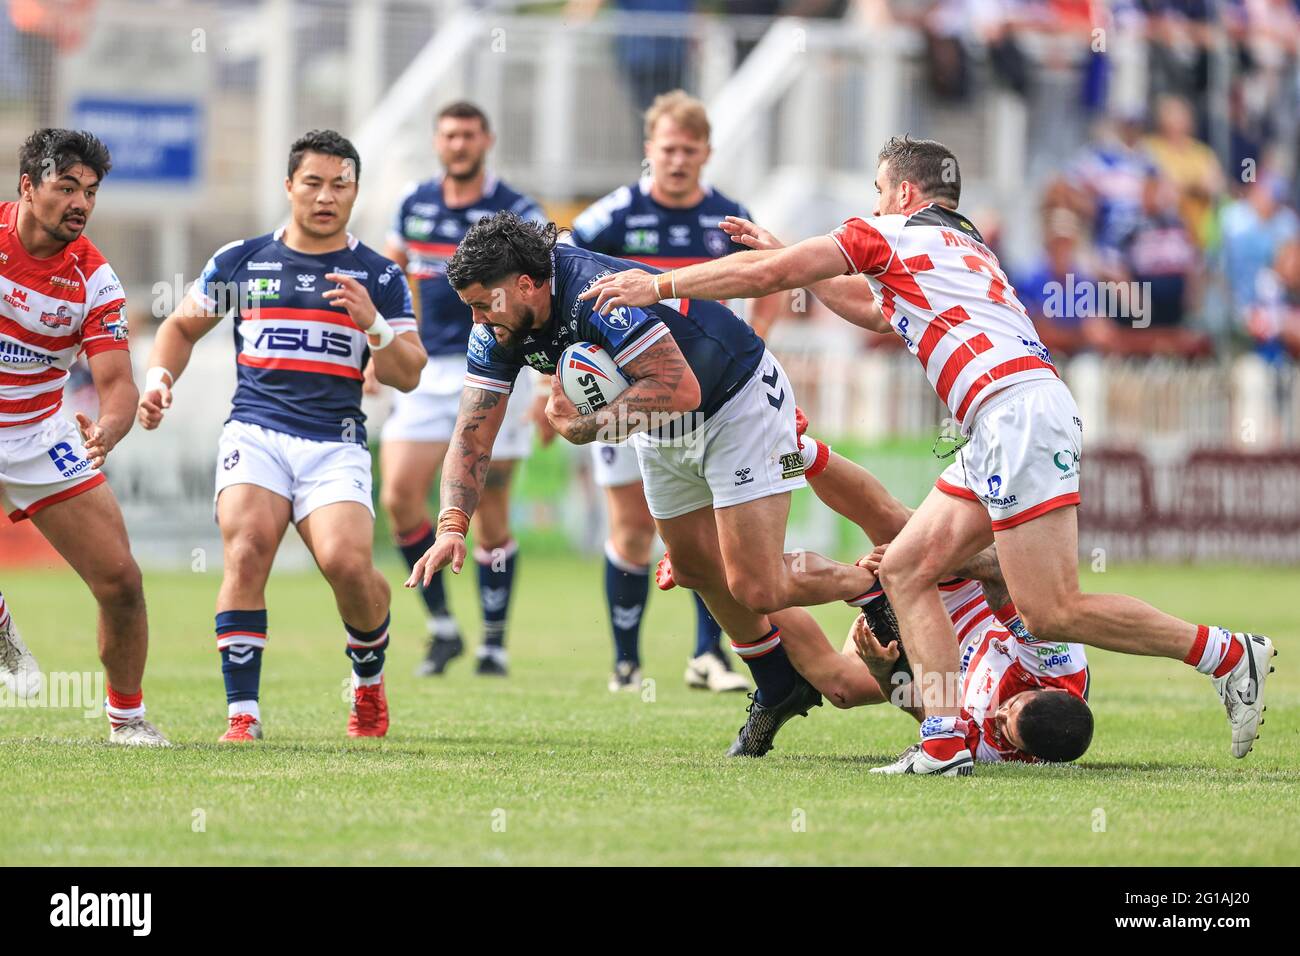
244	707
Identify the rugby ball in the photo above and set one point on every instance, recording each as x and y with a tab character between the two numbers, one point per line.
589	377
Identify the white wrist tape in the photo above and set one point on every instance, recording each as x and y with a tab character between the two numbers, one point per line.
158	378
381	330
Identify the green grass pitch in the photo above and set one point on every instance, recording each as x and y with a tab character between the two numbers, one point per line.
547	767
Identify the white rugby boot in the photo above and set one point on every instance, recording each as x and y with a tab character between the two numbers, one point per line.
1242	691
19	671
138	732
709	672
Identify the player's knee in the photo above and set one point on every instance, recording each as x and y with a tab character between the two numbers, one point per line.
121	588
345	566
758	595
247	559
902	570
633	544
691	573
401	504
1047	622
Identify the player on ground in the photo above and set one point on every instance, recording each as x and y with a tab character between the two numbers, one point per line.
312	306
433	217
999	659
1016	478
670	218
709	411
61	298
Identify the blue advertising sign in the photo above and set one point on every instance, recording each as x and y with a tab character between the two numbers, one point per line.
152	142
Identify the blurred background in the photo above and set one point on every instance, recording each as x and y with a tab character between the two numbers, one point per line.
1105	147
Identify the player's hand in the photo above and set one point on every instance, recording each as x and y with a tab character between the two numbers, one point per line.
748	234
872	561
635	287
370	380
152	405
879	658
560	412
352	295
447	549
545	430
96	439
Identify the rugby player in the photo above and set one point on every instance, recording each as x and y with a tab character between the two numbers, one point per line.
432	218
930	277
312	306
999	659
61	298
719	487
667	219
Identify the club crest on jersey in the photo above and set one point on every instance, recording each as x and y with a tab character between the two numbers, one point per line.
715	240
60	318
617	318
231	460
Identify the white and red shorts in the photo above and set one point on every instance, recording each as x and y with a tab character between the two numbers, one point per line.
1022	459
45	464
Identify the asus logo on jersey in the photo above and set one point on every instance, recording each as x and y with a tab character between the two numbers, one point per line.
300	340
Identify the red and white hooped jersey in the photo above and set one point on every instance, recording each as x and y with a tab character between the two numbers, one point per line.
996	665
946	296
50	310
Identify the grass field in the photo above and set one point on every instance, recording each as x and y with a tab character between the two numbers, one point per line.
547	767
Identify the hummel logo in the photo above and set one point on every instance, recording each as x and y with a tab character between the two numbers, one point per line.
625	618
494	599
241	658
742	476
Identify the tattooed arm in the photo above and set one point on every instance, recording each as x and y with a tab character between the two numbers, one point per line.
984	568
663	385
463	472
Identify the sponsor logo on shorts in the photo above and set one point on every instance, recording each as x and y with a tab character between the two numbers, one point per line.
743	476
67	461
993	498
792	465
231	460
1067	461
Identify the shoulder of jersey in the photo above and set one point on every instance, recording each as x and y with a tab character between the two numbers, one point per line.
936	215
240	249
601	214
519	203
725	204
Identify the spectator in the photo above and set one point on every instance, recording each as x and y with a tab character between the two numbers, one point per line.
1111	175
1155	269
1059	290
1188	163
1274	319
652	63
1253	229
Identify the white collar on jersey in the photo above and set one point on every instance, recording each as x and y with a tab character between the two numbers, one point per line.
278	235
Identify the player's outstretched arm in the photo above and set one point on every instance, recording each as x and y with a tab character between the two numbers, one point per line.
743	275
115	386
663	386
463	472
172	347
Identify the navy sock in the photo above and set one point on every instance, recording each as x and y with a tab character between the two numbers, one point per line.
708	632
774	675
366	650
241	638
627	587
496	581
413	546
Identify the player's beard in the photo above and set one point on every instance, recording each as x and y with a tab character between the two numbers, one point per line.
515	336
466	174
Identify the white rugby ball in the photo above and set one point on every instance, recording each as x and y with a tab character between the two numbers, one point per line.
589	377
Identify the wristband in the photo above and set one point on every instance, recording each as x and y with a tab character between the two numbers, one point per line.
381	330
158	377
658	294
672	276
452	521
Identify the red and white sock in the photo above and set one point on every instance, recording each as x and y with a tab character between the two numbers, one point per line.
123	707
1214	652
943	738
4	612
815	454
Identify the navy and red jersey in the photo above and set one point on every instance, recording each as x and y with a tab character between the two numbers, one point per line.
429	231
628	223
720	348
299	358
